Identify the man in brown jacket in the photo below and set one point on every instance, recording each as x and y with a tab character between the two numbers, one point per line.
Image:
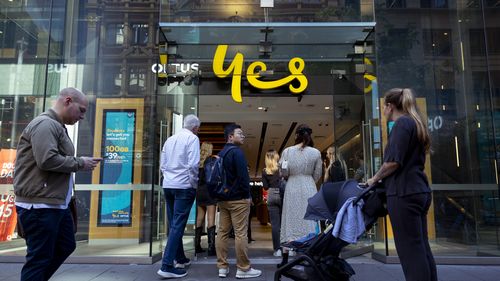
43	184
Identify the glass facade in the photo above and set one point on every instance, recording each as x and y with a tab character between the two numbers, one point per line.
448	51
146	64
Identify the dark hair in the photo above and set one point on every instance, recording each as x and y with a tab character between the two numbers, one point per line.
229	130
404	100
359	155
303	135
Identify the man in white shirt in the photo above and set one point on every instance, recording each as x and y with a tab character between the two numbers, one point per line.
180	159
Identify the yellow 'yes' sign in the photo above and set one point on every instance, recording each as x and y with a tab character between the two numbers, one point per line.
295	65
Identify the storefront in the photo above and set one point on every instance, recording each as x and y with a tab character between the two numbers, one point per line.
146	64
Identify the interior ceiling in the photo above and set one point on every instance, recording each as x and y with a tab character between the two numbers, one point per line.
269	129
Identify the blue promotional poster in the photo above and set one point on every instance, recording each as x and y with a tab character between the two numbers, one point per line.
115	206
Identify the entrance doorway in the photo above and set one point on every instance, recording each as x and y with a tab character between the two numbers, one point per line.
338	103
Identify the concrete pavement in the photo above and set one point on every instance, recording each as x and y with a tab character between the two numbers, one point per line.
205	269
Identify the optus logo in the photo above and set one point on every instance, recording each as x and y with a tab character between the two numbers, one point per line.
162	68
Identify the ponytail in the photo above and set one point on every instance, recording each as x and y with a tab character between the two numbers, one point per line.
404	100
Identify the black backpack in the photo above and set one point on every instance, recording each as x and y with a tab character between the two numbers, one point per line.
215	176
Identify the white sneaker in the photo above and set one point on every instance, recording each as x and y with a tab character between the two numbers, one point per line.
223	272
251	273
292	253
277	253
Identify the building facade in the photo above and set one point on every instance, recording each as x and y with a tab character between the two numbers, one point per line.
268	65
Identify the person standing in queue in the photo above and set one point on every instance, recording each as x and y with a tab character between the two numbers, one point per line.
271	181
407	189
235	210
180	158
206	205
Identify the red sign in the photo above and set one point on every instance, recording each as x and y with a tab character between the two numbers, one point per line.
8	216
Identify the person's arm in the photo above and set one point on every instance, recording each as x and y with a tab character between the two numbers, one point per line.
45	144
265	181
399	142
194	161
163	158
318	169
384	171
242	176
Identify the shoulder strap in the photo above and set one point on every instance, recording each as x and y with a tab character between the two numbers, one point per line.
224	153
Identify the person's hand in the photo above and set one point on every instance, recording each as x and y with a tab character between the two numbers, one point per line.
89	163
370	182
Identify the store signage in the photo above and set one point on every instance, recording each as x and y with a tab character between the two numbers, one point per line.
235	69
435	123
179	67
117	167
8	216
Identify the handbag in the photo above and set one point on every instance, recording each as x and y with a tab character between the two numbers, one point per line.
284	168
282	187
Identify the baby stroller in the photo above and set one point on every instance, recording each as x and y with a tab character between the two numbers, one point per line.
318	255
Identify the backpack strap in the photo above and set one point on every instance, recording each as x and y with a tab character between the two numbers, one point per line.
222	155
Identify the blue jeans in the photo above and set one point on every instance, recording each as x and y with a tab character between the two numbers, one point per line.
49	238
179	203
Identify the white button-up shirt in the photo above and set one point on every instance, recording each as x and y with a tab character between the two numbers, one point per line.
180	158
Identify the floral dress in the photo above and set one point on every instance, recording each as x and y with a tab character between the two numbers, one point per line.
304	170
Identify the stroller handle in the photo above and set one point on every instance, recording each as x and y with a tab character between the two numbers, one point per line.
367	189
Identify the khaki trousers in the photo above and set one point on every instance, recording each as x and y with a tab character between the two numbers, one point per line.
235	214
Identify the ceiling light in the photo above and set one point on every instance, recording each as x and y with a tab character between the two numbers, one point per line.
260	108
193	108
327	107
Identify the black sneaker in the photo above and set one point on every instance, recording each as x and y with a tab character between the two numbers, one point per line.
171	272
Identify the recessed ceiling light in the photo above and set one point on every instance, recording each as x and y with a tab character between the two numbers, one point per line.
193	108
260	108
327	107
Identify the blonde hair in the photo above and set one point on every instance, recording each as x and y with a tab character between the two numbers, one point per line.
272	158
404	100
205	152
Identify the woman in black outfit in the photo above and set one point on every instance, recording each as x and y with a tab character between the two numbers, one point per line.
271	182
205	204
407	188
334	166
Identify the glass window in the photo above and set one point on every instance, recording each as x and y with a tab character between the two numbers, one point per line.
395	3
434	3
114	34
437	42
140	33
137	80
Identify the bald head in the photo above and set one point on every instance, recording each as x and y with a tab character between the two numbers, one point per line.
71	105
74	93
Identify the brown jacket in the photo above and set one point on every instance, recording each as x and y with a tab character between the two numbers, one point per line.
44	161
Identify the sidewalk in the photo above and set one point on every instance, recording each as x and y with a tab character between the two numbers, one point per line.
366	269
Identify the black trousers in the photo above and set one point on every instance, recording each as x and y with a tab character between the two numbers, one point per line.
49	238
409	223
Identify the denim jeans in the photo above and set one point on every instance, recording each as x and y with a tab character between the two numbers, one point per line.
49	238
274	206
179	203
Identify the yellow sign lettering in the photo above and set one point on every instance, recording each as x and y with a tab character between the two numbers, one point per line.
236	68
295	66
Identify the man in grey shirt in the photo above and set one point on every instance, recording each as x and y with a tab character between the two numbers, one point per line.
43	184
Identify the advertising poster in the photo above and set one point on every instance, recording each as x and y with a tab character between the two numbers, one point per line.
8	216
115	206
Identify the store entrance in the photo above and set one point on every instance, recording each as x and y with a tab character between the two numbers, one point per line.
337	101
